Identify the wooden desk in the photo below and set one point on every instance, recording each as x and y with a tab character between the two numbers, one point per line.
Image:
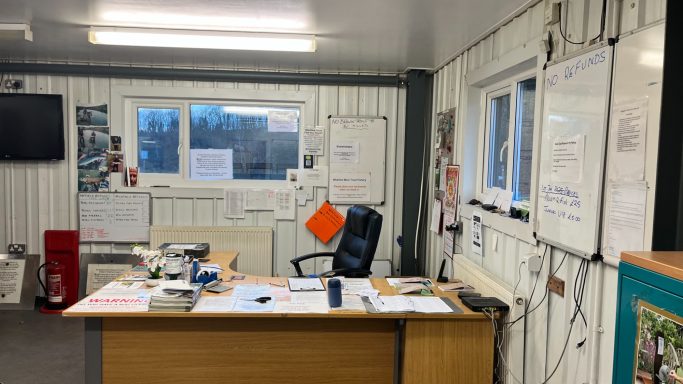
239	347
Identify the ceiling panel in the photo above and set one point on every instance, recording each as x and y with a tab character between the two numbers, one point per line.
352	35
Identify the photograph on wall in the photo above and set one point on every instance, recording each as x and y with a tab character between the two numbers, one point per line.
659	346
131	177
450	203
92	142
93	180
116	143
115	162
445	131
95	115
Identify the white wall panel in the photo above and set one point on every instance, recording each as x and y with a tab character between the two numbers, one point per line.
548	325
39	196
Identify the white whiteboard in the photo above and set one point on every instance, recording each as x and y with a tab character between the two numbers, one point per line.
114	217
572	152
357	159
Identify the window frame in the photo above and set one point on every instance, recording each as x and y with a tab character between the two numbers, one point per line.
126	100
506	86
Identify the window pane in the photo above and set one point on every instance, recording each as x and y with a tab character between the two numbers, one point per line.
260	150
158	139
524	136
498	141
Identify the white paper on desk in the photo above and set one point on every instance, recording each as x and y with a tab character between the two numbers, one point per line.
315	297
289	307
305	284
503	200
351	303
246	305
626	222
430	305
284	205
314	177
260	200
233	203
123	285
251	291
395	281
627	142
436	217
355	286
214	304
390	304
491	195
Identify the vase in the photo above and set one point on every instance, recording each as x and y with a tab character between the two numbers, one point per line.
152	282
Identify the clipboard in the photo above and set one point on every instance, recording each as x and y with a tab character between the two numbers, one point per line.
305	284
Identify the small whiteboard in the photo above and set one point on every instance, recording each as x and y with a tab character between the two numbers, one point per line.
113	217
573	144
357	159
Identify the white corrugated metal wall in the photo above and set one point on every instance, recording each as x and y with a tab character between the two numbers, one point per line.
546	327
35	196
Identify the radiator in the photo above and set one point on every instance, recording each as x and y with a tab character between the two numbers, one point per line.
513	341
254	244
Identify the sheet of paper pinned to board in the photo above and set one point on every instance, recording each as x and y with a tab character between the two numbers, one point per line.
627	142
345	152
259	200
314	141
314	177
325	222
285	208
350	187
568	157
626	222
233	203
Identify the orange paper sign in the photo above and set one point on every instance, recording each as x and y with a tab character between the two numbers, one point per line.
325	222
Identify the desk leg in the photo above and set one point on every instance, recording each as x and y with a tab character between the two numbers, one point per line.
398	350
93	350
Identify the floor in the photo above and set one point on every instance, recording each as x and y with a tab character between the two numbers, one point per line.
38	348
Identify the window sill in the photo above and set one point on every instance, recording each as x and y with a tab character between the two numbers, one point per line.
507	225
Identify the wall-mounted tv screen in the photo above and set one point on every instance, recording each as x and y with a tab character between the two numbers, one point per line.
31	127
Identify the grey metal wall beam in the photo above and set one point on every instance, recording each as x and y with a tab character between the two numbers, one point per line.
188	74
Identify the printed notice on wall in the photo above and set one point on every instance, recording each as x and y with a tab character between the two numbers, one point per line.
314	141
345	152
568	154
11	279
211	164
284	205
100	275
627	144
259	200
626	222
315	177
350	187
233	204
476	233
283	120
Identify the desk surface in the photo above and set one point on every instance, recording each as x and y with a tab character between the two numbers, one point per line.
228	260
667	263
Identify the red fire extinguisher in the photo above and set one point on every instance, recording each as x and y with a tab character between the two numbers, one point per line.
55	274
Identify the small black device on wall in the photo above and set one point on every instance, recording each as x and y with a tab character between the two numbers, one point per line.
31	127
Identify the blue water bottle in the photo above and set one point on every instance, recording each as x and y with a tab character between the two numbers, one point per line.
334	296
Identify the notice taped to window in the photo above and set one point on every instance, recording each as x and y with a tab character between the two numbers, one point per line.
11	279
350	187
211	164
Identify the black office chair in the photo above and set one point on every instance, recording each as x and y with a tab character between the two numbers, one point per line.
356	247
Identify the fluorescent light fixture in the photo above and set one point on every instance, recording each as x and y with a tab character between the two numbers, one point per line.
16	31
181	38
185	21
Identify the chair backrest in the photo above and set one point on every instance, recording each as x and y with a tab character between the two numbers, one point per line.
359	239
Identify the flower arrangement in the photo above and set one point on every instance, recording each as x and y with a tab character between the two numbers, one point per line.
153	259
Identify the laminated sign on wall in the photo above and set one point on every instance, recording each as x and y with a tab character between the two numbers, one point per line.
325	222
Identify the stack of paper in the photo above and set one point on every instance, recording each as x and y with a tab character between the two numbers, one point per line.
174	296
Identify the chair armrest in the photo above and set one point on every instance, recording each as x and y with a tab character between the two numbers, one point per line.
295	261
349	272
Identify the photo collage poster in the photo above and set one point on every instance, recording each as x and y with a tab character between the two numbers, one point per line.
659	346
93	148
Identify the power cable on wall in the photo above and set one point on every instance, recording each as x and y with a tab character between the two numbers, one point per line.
603	15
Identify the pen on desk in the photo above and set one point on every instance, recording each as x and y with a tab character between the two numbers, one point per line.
278	285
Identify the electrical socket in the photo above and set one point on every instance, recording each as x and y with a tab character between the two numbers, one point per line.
533	262
16	249
13	84
517	310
